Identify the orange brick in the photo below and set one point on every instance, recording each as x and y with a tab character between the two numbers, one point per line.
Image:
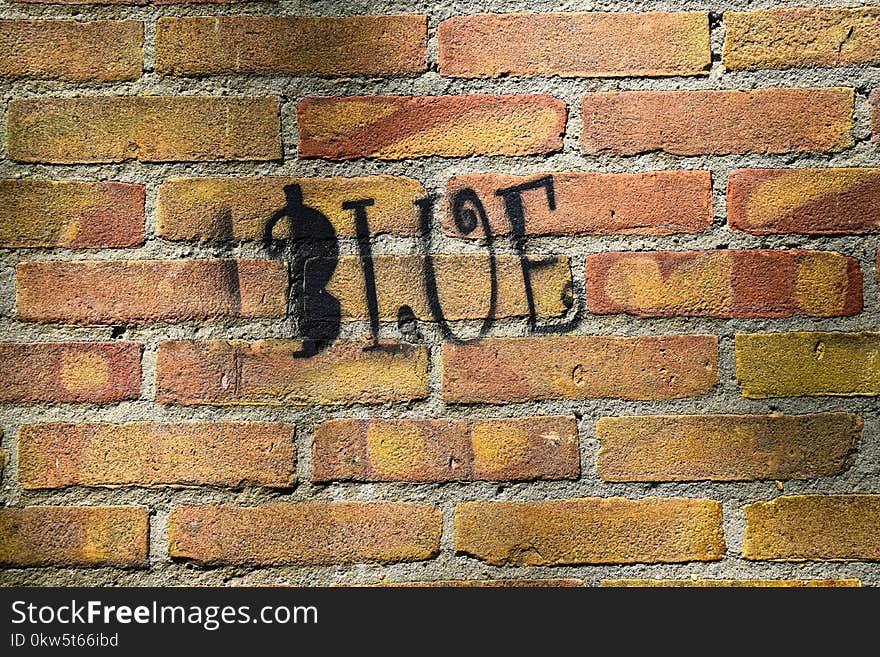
720	283
649	203
73	536
446	450
237	209
118	291
807	201
94	51
74	214
304	533
399	127
589	44
146	128
222	372
154	454
801	36
732	583
717	121
814	528
293	45
725	447
590	530
580	367
94	372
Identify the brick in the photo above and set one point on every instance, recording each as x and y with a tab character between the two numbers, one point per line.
732	583
580	367
587	44
874	100
91	51
119	291
722	283
74	214
725	447
73	536
223	372
291	45
648	203
488	583
590	530
808	363
717	122
305	533
806	201
801	36
814	528
463	286
509	449
399	127
146	128
237	209
96	372
155	454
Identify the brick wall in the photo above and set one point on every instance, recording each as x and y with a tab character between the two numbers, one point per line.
434	293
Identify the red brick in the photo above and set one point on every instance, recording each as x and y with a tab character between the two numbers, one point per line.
717	121
94	372
731	583
399	127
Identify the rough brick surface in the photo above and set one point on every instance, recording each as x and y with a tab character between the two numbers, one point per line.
522	369
297	45
590	530
446	450
73	536
96	372
488	583
75	214
146	128
156	454
304	533
808	363
648	203
590	44
397	127
119	291
96	51
813	527
874	100
223	372
725	447
732	583
720	283
801	36
808	201
717	122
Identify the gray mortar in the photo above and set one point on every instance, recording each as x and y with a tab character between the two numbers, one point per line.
862	477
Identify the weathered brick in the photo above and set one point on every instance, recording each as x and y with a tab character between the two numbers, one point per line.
147	128
725	447
801	36
293	45
118	291
237	209
446	450
155	454
94	51
398	127
73	536
74	214
221	372
813	527
717	121
648	203
487	583
94	372
305	533
721	283
808	363
588	44
590	530
807	201
580	367
732	583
